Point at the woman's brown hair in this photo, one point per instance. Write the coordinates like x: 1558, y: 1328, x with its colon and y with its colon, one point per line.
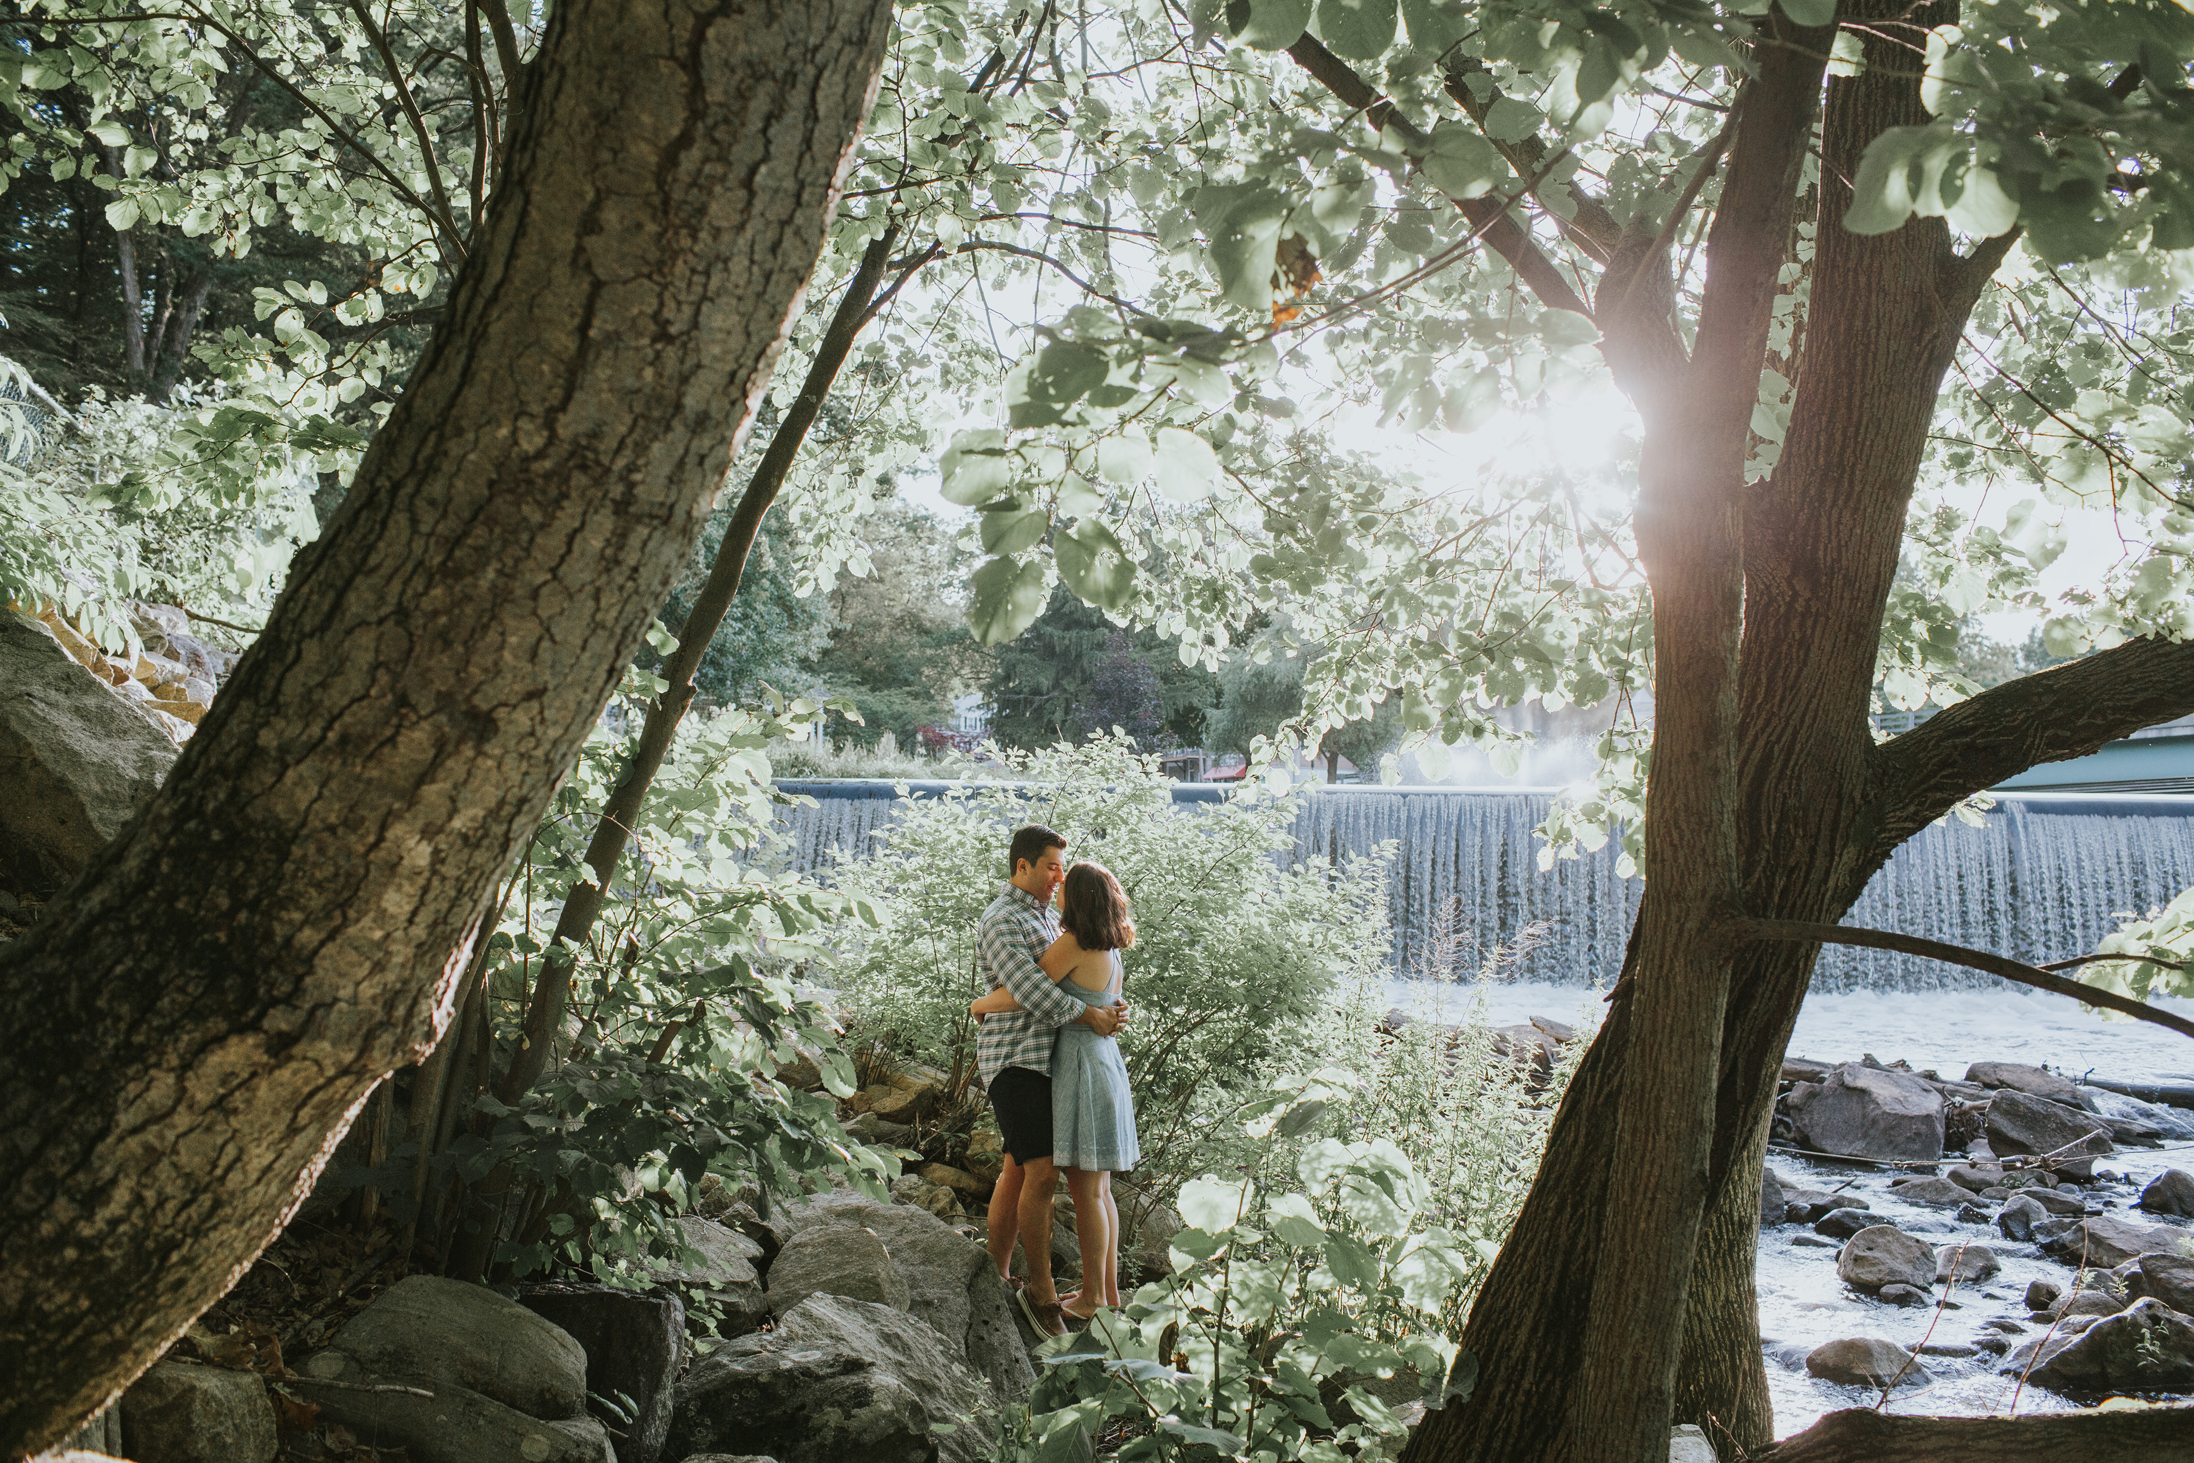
x: 1093, y: 909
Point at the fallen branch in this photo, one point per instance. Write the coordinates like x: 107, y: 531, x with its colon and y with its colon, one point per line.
x: 2144, y: 1435
x: 296, y: 1377
x: 1804, y: 932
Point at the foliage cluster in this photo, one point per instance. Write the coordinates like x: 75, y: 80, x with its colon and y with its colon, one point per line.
x: 688, y: 997
x: 1236, y: 952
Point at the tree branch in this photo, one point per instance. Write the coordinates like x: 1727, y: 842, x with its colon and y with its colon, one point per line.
x: 2064, y: 712
x: 1507, y: 238
x: 1804, y: 932
x: 445, y: 217
x: 1592, y: 227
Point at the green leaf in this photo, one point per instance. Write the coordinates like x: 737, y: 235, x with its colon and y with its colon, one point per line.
x: 1358, y: 29
x: 1187, y: 467
x: 1066, y: 371
x: 1210, y: 1204
x: 1009, y: 595
x: 1210, y: 1437
x: 1809, y: 12
x: 837, y: 1074
x: 1512, y: 120
x: 1298, y: 1119
x: 1435, y: 25
x: 122, y: 214
x: 1461, y: 1381
x: 1900, y: 175
x: 1013, y: 530
x: 113, y: 134
x: 1461, y: 163
x: 1125, y: 458
x: 1272, y: 25
x: 1093, y: 564
x: 1078, y: 497
x: 976, y: 468
x: 1351, y: 1263
x: 1293, y: 1230
x: 1242, y: 222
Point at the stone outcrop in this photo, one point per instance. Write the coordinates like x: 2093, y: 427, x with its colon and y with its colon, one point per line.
x: 836, y: 1380
x: 76, y: 761
x: 2147, y: 1347
x: 846, y: 1260
x: 635, y: 1345
x: 723, y: 1279
x: 1868, y: 1112
x: 182, y: 1413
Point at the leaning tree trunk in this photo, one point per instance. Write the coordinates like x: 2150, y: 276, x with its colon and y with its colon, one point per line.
x: 194, y: 1025
x: 1580, y: 1292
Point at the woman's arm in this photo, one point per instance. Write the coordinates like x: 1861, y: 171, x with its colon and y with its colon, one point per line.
x: 1060, y: 958
x: 998, y: 1000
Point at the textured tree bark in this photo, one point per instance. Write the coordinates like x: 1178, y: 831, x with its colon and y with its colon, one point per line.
x: 2152, y: 1435
x: 199, y: 1019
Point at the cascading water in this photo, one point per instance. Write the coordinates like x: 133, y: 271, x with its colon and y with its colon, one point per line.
x: 2041, y: 878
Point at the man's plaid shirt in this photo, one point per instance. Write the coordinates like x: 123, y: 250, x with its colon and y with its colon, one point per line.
x: 1014, y: 932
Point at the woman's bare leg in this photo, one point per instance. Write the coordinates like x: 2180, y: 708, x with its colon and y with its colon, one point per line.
x: 1112, y: 1241
x: 1089, y: 1229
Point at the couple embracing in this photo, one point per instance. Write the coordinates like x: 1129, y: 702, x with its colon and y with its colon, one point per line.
x: 1052, y: 1068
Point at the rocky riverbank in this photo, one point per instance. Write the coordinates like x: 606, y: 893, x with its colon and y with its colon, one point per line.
x: 1959, y: 1242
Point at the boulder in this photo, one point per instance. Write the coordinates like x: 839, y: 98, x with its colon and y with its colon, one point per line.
x: 1772, y: 1203
x: 1843, y: 1223
x: 2172, y: 1192
x: 2088, y: 1303
x: 441, y: 1422
x: 2167, y: 1277
x: 951, y: 1283
x: 2073, y: 1139
x: 836, y: 1260
x: 1968, y: 1263
x: 2052, y: 1201
x: 2042, y: 1294
x: 635, y: 1345
x: 2019, y: 1077
x: 1936, y: 1193
x: 2148, y: 1347
x: 1806, y: 1206
x: 2106, y: 1241
x: 1886, y: 1255
x: 960, y: 1181
x: 721, y: 1276
x: 1688, y: 1443
x: 837, y: 1380
x: 438, y: 1332
x: 76, y: 760
x: 182, y: 1413
x: 1866, y: 1361
x: 1865, y: 1112
x: 1903, y: 1295
x: 1805, y: 1069
x: 1978, y: 1177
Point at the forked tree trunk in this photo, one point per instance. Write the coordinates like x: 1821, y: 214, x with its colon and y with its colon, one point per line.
x: 196, y: 1022
x: 1642, y: 1224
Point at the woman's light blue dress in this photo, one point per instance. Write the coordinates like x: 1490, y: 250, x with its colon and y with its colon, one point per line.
x: 1092, y: 1113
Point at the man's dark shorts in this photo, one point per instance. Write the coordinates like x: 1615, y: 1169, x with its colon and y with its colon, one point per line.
x: 1021, y: 1101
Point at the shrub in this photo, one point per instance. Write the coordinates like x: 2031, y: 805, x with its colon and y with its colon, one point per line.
x: 1236, y: 953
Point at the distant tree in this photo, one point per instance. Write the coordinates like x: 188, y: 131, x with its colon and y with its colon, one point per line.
x: 771, y: 635
x: 1047, y: 684
x: 1260, y: 698
x: 898, y: 645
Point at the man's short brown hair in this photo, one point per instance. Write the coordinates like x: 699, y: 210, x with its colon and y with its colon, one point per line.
x: 1029, y: 844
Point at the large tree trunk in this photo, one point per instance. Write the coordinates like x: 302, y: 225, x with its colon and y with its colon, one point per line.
x: 1574, y: 1327
x: 196, y: 1022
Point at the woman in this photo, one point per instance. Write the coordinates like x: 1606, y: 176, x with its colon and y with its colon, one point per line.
x: 1092, y: 1113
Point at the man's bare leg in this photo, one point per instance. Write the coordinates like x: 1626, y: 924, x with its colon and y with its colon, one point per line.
x: 1039, y: 1182
x: 1005, y: 1218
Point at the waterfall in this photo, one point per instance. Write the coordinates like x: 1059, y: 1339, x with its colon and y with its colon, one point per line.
x: 2042, y: 878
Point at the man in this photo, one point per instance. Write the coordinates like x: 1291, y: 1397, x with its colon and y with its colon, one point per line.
x: 1013, y: 1052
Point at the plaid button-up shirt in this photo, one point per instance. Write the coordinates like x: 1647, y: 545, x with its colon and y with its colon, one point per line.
x: 1014, y: 932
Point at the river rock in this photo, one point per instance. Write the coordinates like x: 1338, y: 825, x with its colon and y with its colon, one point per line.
x: 848, y: 1261
x: 2088, y: 1303
x: 2172, y: 1192
x: 1903, y: 1295
x: 2020, y: 1124
x: 951, y: 1283
x: 449, y: 1424
x: 1867, y: 1112
x: 837, y: 1380
x: 2053, y: 1201
x: 1772, y: 1203
x: 635, y: 1344
x: 2019, y: 1077
x: 1807, y: 1206
x: 1935, y: 1193
x: 1886, y: 1255
x: 1843, y: 1223
x: 1977, y: 1177
x: 1866, y: 1361
x: 1970, y: 1264
x: 440, y: 1332
x: 2107, y: 1241
x: 719, y: 1275
x: 2147, y: 1347
x: 2167, y: 1277
x: 77, y: 761
x: 181, y: 1413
